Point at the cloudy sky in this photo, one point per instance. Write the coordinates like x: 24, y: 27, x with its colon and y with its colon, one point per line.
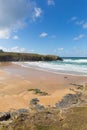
x: 44, y: 26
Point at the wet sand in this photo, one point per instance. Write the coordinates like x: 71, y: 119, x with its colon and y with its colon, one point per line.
x: 16, y: 80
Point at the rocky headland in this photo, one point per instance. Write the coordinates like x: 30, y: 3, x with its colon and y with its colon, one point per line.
x: 13, y: 56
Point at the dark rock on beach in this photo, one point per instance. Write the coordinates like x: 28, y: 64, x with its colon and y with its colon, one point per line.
x: 34, y: 105
x: 34, y: 101
x: 11, y: 115
x: 16, y: 113
x: 68, y: 101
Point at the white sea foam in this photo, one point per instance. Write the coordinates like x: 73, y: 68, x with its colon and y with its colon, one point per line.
x: 69, y: 66
x: 76, y: 61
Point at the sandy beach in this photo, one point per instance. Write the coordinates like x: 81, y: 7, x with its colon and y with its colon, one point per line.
x: 15, y: 81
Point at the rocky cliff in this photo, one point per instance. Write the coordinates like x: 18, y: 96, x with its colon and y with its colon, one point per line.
x: 10, y: 56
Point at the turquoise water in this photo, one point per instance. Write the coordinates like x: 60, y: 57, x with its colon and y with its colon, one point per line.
x: 69, y: 65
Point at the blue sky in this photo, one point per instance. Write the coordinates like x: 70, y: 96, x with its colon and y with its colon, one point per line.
x: 56, y: 27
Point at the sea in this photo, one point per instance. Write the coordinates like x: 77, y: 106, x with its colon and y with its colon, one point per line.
x: 69, y: 65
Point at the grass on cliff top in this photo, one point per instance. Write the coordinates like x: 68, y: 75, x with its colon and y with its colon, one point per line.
x: 52, y: 119
x: 13, y: 56
x: 26, y: 54
x: 73, y: 119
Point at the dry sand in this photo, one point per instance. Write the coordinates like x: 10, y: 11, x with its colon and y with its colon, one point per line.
x: 16, y: 80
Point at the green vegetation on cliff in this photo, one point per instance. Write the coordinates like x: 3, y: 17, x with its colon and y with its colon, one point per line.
x: 11, y: 56
x: 72, y: 119
x: 37, y: 117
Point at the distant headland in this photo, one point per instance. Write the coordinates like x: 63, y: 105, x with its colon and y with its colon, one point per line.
x: 15, y: 56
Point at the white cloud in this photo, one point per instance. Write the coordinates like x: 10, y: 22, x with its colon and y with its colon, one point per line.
x: 79, y: 37
x: 4, y: 34
x: 15, y: 37
x: 17, y: 49
x: 13, y: 49
x: 13, y: 13
x: 73, y: 18
x: 85, y: 25
x: 51, y: 2
x: 37, y: 12
x: 4, y: 49
x: 31, y: 51
x: 80, y: 22
x: 60, y: 49
x: 43, y: 34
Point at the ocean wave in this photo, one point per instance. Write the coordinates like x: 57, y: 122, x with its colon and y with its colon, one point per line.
x: 76, y: 61
x: 55, y: 67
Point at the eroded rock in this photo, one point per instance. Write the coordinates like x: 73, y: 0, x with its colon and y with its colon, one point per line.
x: 4, y: 116
x: 67, y: 101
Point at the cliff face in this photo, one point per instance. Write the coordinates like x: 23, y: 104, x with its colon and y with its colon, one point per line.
x: 10, y: 56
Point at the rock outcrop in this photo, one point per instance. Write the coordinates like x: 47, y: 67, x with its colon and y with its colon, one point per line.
x: 68, y: 101
x: 13, y: 114
x: 10, y: 56
x: 34, y: 105
x: 4, y: 116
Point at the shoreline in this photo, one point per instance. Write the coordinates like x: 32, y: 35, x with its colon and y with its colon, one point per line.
x: 52, y: 71
x: 15, y: 82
